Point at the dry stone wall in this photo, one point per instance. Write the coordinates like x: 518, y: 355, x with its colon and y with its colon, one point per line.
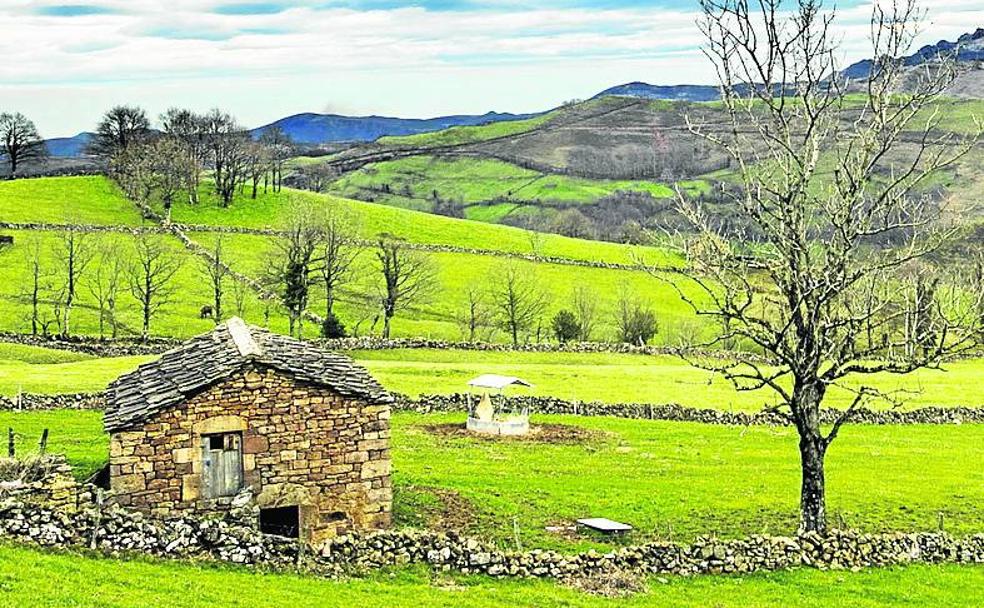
x: 458, y: 402
x: 116, y: 530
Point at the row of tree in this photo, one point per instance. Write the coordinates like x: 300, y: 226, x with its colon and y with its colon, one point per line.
x: 166, y: 162
x: 75, y: 264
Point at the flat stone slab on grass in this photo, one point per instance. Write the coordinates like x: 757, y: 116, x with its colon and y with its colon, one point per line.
x: 602, y: 524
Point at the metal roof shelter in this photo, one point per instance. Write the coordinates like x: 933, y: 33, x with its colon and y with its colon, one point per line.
x: 484, y: 417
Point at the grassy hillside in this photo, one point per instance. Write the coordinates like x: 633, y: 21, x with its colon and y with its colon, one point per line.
x: 82, y: 200
x: 179, y: 317
x: 488, y: 189
x: 466, y: 135
x: 31, y: 369
x: 77, y: 579
x: 675, y: 480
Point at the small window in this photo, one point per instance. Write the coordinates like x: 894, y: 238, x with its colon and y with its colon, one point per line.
x: 223, y: 464
x: 281, y: 521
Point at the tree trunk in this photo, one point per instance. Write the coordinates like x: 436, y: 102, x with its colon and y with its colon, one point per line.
x: 813, y: 500
x: 807, y: 398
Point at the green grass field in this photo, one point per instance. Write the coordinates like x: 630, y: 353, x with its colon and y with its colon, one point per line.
x: 488, y: 189
x: 468, y: 135
x: 618, y: 378
x: 611, y: 378
x: 56, y: 200
x: 72, y: 579
x: 670, y: 480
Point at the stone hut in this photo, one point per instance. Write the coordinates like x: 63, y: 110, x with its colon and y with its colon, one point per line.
x: 245, y: 417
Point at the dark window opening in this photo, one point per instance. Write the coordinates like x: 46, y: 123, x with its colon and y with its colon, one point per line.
x: 333, y: 517
x: 223, y: 464
x: 281, y: 521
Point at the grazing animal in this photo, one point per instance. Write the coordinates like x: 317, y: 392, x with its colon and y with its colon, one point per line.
x: 207, y: 312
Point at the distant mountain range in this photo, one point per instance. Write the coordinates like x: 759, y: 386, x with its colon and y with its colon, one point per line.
x: 316, y: 129
x: 320, y: 129
x: 968, y: 48
x: 68, y: 146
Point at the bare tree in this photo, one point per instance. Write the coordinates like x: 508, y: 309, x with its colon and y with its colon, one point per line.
x: 834, y: 245
x: 408, y: 277
x: 104, y: 283
x: 151, y: 276
x: 34, y: 256
x: 474, y: 315
x: 340, y: 248
x: 636, y: 324
x: 293, y: 267
x: 170, y: 167
x: 73, y: 254
x: 584, y: 301
x: 280, y: 149
x: 119, y: 128
x: 19, y: 140
x: 190, y: 129
x: 516, y: 298
x: 215, y: 271
x: 229, y: 147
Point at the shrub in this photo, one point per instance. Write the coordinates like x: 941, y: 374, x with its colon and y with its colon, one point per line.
x: 566, y: 326
x: 332, y: 328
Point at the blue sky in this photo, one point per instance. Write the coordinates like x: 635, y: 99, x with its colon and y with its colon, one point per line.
x: 66, y: 62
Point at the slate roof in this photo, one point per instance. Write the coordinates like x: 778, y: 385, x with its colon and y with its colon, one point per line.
x: 204, y: 360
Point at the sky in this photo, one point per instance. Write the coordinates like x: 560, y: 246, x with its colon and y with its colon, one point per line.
x: 65, y: 63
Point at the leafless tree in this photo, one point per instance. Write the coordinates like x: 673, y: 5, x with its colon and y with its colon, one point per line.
x: 73, y: 254
x: 170, y: 167
x: 280, y: 149
x: 636, y: 323
x: 119, y: 128
x: 825, y: 273
x: 229, y: 147
x: 518, y: 301
x: 190, y: 129
x: 340, y: 248
x: 103, y: 283
x: 35, y: 293
x: 151, y: 276
x: 408, y: 277
x: 132, y: 169
x: 317, y: 177
x: 19, y: 140
x: 474, y: 315
x: 584, y: 302
x: 293, y: 267
x: 215, y: 271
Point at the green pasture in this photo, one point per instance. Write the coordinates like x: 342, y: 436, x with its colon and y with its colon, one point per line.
x: 670, y: 480
x: 81, y: 579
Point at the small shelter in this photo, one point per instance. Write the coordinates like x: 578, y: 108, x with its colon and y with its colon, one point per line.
x: 301, y: 434
x: 489, y: 414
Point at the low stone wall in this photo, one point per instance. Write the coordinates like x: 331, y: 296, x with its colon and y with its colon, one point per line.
x: 71, y: 401
x: 114, y: 530
x: 458, y: 402
x: 91, y: 346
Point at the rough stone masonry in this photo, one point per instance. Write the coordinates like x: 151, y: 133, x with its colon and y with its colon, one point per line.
x: 242, y: 415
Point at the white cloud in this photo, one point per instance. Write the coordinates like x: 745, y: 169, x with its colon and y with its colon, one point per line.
x: 406, y: 61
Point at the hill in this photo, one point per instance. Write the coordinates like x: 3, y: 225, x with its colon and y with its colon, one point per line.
x: 332, y: 128
x: 68, y: 146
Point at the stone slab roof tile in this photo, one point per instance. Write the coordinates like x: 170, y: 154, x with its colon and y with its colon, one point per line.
x: 204, y: 360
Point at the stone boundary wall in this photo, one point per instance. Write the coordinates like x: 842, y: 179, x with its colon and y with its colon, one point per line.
x: 113, y: 530
x: 34, y: 402
x: 91, y: 346
x: 456, y: 403
x: 431, y: 248
x: 119, y: 348
x: 426, y: 404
